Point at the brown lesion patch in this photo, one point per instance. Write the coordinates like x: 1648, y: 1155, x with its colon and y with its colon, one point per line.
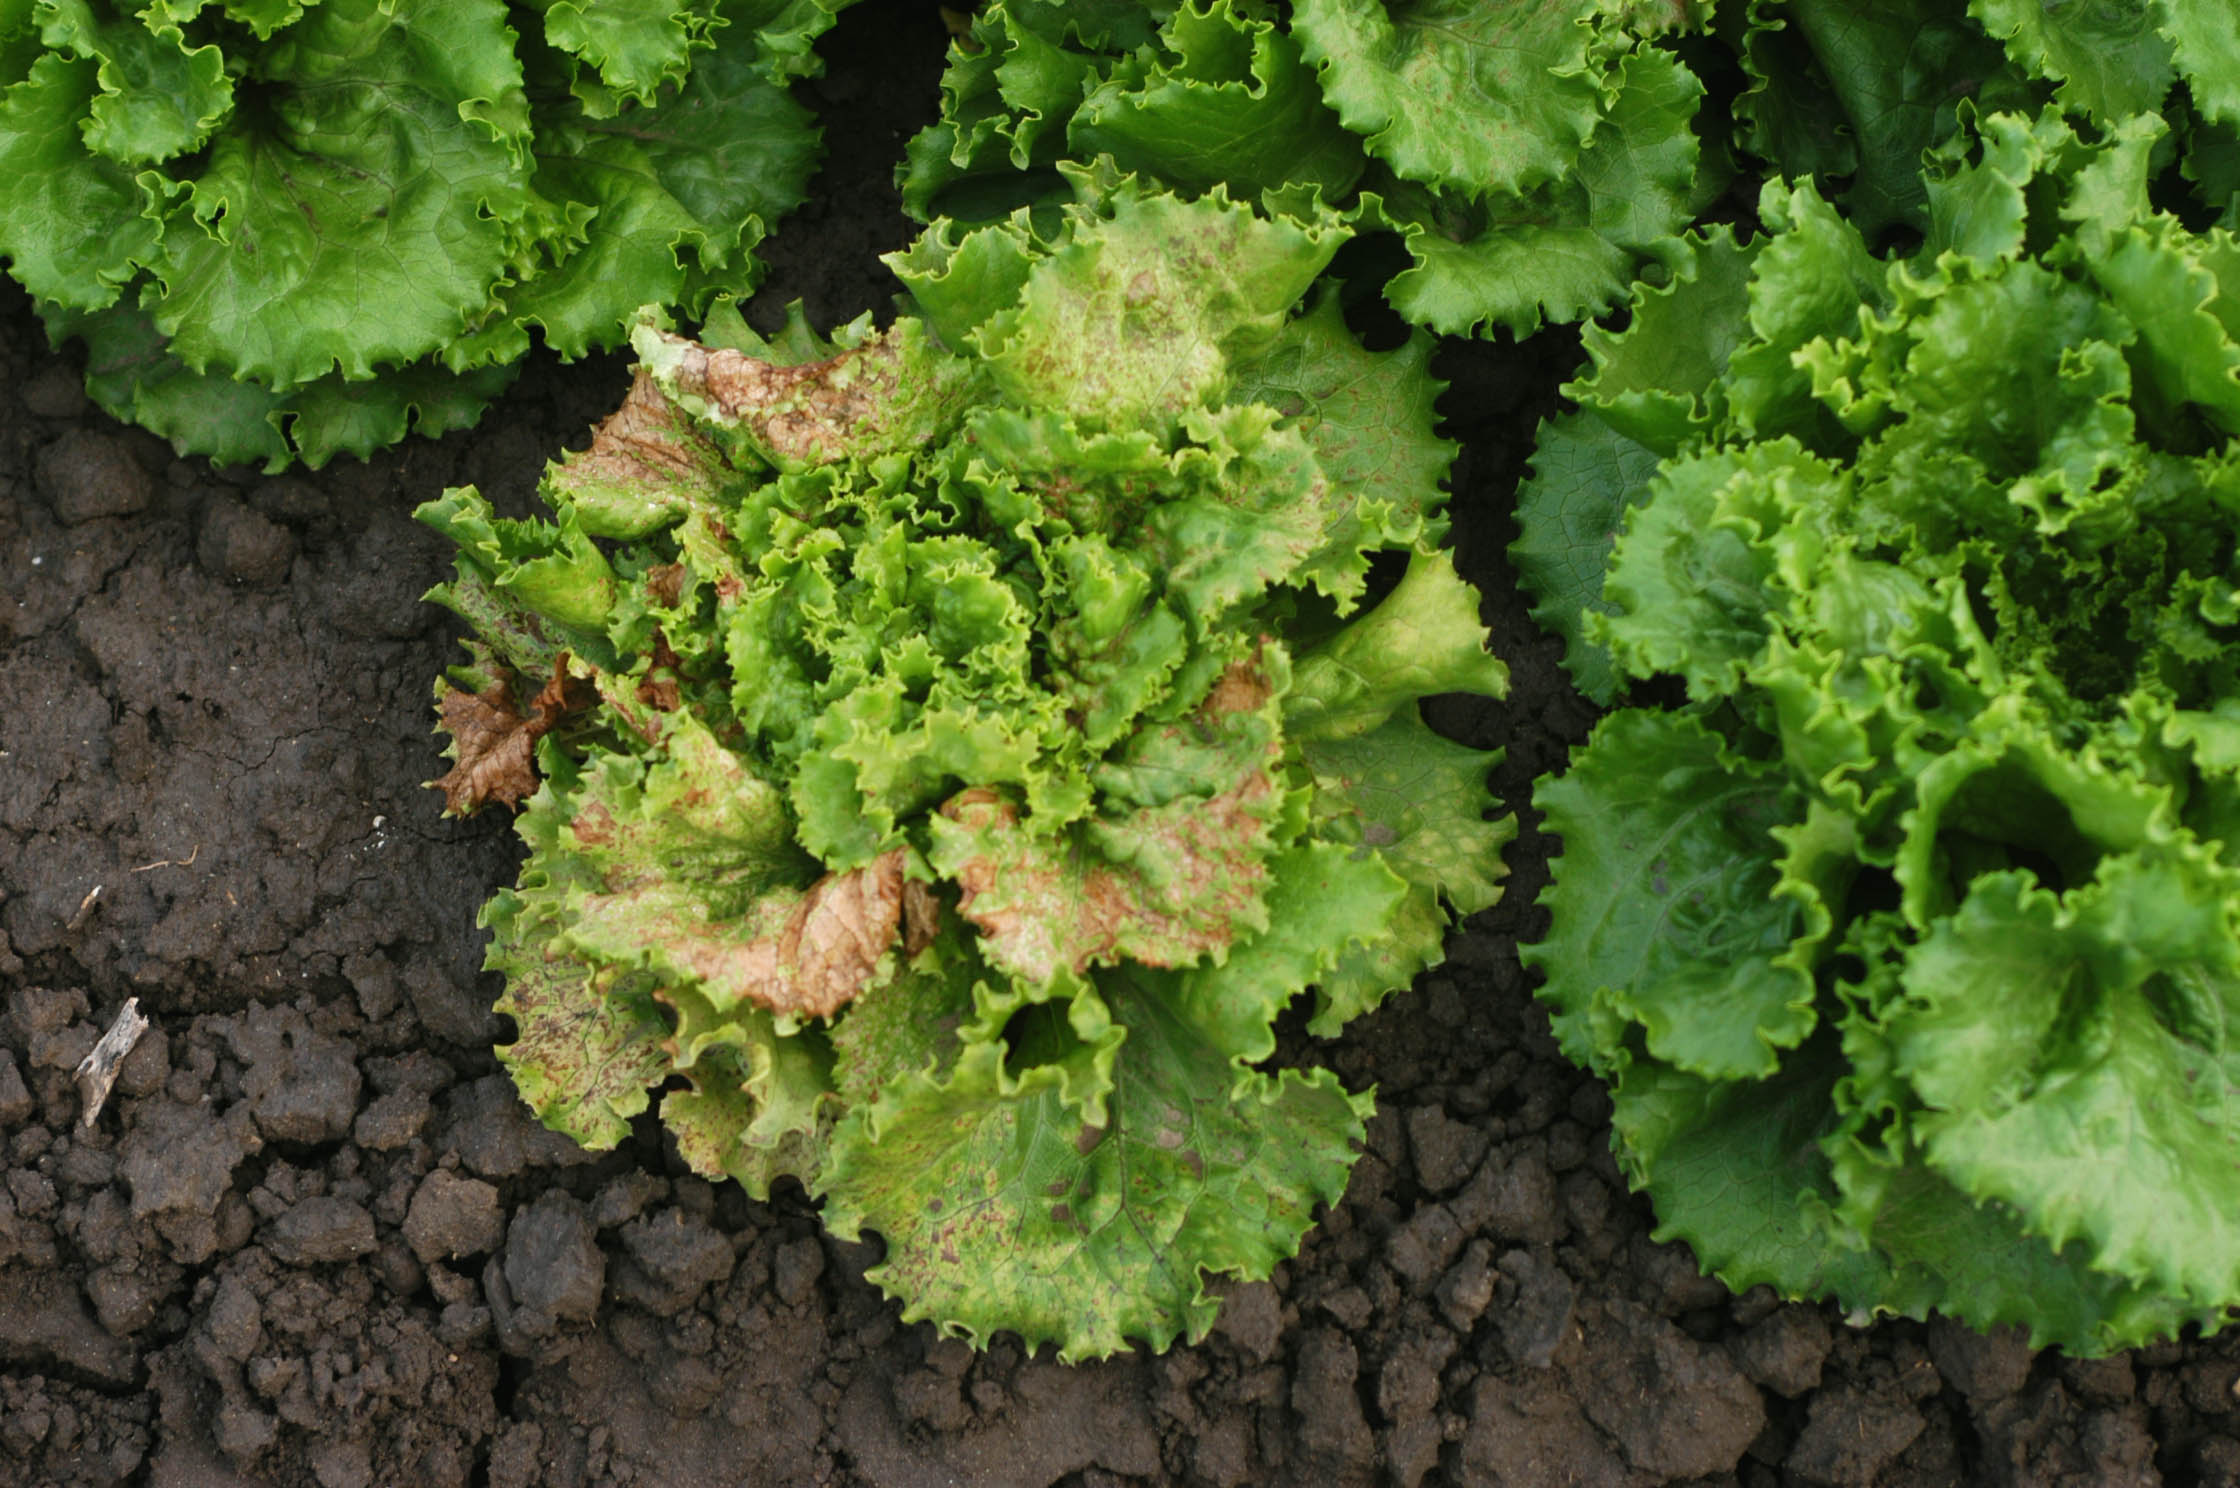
x: 814, y: 957
x: 646, y: 445
x: 1045, y: 904
x: 658, y: 689
x: 665, y: 584
x: 1243, y: 688
x: 494, y: 741
x: 806, y: 414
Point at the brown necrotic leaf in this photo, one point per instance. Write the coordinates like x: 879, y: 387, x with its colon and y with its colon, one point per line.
x: 494, y: 743
x: 896, y: 391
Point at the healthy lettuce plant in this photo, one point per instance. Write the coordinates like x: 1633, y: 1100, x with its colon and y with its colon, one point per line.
x: 1532, y: 157
x: 289, y: 230
x: 1850, y: 92
x: 1910, y: 945
x: 949, y: 749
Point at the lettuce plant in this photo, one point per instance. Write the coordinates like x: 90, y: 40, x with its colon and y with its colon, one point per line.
x: 288, y: 230
x: 949, y: 748
x: 1532, y: 157
x: 1910, y: 944
x: 1851, y: 92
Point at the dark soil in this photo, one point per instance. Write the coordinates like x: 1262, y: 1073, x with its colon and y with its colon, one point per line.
x: 316, y: 1240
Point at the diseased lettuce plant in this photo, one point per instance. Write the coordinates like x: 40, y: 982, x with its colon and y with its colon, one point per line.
x: 949, y: 749
x: 289, y: 230
x: 1532, y: 157
x: 1910, y: 945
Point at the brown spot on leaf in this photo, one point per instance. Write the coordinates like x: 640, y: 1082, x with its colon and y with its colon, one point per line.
x: 805, y: 414
x: 657, y: 689
x: 648, y: 444
x: 594, y: 825
x: 921, y: 917
x: 665, y: 584
x: 1042, y: 905
x: 494, y: 742
x: 1088, y: 1139
x: 1240, y: 689
x: 821, y: 955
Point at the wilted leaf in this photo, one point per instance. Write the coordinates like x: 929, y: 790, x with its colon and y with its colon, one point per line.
x: 494, y: 745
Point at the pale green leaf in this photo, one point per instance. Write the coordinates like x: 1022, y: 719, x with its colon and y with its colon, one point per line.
x: 1422, y: 638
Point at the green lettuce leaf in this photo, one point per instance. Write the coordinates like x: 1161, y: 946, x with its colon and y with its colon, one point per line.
x: 291, y: 232
x: 75, y: 226
x: 1908, y: 945
x: 1585, y: 477
x: 1142, y: 321
x: 380, y: 170
x: 1568, y: 248
x: 1412, y: 798
x: 1532, y: 159
x: 1520, y: 72
x: 1232, y: 103
x: 1154, y: 1193
x: 1848, y: 93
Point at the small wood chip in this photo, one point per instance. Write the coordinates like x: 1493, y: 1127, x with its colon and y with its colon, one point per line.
x: 84, y: 911
x: 98, y: 1070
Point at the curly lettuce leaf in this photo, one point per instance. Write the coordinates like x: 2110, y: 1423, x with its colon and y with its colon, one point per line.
x: 382, y: 170
x: 2208, y: 55
x: 1232, y: 104
x: 1367, y: 415
x: 1422, y: 638
x: 1685, y: 920
x: 1520, y: 73
x: 1002, y: 1208
x: 1411, y: 797
x: 627, y: 49
x: 1744, y: 1170
x: 1168, y: 873
x: 302, y: 231
x: 1574, y: 163
x: 2124, y: 986
x: 671, y: 200
x: 1585, y: 478
x: 1850, y: 92
x: 2107, y: 61
x: 131, y: 373
x: 1142, y: 321
x: 158, y: 96
x: 1908, y: 946
x: 75, y: 226
x: 1568, y: 248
